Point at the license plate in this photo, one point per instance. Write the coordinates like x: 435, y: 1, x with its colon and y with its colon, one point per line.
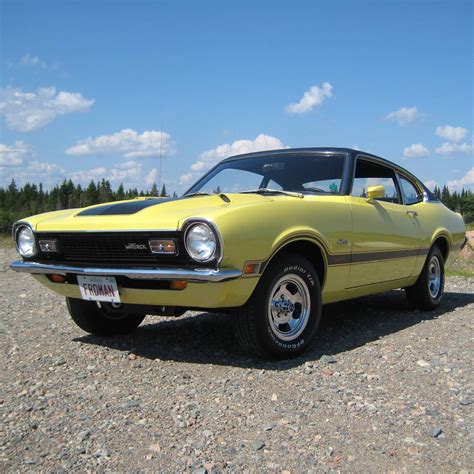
x: 98, y: 288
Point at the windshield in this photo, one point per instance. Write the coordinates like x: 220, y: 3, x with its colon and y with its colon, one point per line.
x: 307, y: 174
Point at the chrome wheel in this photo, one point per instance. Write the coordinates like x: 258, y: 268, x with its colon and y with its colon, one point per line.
x: 434, y: 277
x: 289, y: 307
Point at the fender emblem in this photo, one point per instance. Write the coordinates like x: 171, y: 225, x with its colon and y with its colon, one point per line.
x: 342, y: 242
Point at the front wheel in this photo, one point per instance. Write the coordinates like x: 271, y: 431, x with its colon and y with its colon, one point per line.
x: 283, y: 314
x: 427, y: 292
x: 95, y: 319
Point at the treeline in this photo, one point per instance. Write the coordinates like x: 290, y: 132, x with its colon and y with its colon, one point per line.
x: 30, y: 199
x: 462, y: 202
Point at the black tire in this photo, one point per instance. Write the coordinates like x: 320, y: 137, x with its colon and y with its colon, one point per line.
x: 255, y: 326
x: 426, y: 294
x: 100, y: 322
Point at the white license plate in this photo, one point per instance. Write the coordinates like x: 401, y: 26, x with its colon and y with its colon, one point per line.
x: 98, y: 288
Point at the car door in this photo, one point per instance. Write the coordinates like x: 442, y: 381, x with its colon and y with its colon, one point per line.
x: 386, y: 237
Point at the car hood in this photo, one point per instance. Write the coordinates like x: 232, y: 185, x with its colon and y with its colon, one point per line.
x: 144, y: 213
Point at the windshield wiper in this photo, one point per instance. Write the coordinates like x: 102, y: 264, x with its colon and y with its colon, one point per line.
x: 197, y: 194
x: 276, y: 191
x: 223, y: 196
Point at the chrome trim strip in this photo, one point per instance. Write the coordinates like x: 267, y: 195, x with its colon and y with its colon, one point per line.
x: 197, y: 274
x: 97, y: 231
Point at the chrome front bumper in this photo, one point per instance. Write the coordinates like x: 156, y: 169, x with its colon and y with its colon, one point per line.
x: 197, y: 274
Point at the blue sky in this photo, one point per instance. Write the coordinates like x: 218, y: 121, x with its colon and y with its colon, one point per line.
x: 88, y: 87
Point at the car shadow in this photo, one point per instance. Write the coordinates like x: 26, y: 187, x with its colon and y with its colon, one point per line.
x: 207, y: 338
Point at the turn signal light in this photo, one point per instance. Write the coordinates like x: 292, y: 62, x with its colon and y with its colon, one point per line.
x: 179, y: 284
x: 164, y: 247
x: 251, y: 268
x: 57, y: 278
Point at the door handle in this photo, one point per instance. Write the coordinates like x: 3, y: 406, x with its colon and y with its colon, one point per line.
x: 412, y: 213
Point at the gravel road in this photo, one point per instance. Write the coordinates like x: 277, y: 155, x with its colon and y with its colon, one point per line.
x: 384, y: 389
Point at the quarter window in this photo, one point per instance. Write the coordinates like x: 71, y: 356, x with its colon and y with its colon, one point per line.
x: 410, y: 194
x: 368, y: 174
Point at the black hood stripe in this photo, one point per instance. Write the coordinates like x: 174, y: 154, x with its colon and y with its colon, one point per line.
x: 122, y: 208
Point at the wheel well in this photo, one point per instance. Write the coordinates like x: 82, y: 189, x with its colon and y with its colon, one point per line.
x: 442, y: 244
x: 308, y: 250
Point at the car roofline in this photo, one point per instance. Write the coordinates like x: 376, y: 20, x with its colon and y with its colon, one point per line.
x: 288, y: 151
x: 318, y: 150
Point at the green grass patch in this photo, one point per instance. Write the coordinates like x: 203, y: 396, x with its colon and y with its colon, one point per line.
x: 461, y: 273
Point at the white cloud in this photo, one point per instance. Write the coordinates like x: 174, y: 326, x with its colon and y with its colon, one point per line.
x: 466, y: 181
x: 30, y: 60
x: 416, y: 150
x: 430, y: 184
x: 151, y: 177
x: 128, y: 143
x: 404, y: 116
x: 453, y: 134
x: 262, y: 142
x: 209, y: 158
x: 126, y: 165
x: 130, y: 174
x: 84, y: 176
x: 14, y: 155
x: 449, y: 148
x: 33, y: 172
x: 186, y: 178
x: 312, y: 98
x: 28, y: 111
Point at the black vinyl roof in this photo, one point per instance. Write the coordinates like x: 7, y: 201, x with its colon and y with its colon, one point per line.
x: 309, y: 150
x: 292, y: 151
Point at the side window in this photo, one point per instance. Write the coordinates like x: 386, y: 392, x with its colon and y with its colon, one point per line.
x: 369, y: 174
x: 410, y: 194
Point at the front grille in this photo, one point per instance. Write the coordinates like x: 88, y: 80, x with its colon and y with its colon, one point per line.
x: 109, y: 249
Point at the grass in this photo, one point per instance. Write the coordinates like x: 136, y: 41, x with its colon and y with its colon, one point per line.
x: 459, y: 272
x: 6, y: 241
x: 470, y: 226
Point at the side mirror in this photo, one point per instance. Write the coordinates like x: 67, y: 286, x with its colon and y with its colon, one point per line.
x: 374, y: 192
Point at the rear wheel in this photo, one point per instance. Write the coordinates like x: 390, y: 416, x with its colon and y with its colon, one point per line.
x: 426, y: 294
x: 283, y: 314
x: 95, y: 319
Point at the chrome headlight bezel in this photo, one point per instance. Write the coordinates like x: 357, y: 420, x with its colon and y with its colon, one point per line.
x: 34, y: 245
x: 216, y: 254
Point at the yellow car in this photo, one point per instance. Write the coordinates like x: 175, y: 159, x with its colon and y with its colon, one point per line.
x: 267, y: 236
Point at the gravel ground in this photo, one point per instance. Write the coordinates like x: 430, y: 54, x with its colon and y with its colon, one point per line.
x: 384, y: 389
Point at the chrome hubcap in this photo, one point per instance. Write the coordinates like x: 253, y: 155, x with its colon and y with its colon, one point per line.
x: 289, y: 307
x: 434, y: 277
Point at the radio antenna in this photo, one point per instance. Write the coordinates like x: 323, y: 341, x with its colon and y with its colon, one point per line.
x: 161, y: 152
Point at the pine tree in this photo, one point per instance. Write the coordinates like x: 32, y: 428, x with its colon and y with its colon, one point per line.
x: 91, y: 195
x: 120, y: 194
x: 163, y: 191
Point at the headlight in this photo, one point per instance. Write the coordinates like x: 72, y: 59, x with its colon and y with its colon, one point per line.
x: 201, y: 242
x: 25, y: 242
